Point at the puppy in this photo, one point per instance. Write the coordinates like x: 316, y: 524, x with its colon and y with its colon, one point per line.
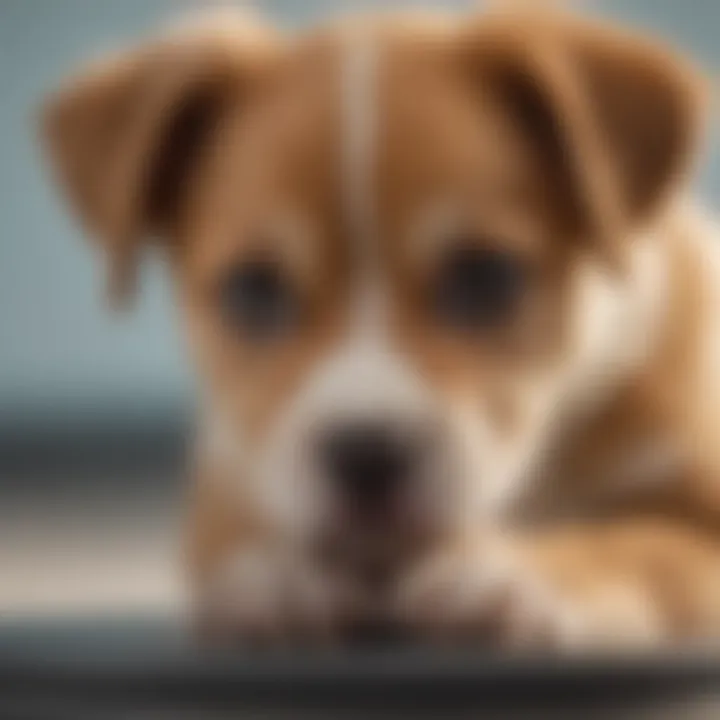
x: 453, y: 314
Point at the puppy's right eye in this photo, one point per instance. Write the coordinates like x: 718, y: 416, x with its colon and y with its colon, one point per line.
x: 478, y: 289
x: 258, y: 301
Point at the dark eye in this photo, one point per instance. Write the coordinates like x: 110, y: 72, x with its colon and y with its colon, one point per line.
x: 258, y: 301
x: 478, y: 288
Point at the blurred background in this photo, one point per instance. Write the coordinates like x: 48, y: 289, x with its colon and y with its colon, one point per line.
x: 94, y: 407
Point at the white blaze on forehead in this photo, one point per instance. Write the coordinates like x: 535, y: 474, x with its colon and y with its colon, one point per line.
x: 359, y: 117
x: 360, y: 111
x: 363, y: 374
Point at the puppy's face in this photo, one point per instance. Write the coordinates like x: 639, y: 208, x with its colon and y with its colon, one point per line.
x: 375, y: 272
x: 399, y: 254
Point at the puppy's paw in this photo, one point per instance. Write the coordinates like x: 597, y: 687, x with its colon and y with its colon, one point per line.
x: 488, y: 596
x: 262, y: 596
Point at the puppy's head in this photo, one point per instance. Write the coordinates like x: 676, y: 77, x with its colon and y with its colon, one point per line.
x: 403, y: 249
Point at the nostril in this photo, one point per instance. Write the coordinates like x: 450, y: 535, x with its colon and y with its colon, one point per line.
x: 367, y: 462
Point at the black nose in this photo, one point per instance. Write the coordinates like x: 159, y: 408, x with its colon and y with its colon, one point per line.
x: 368, y: 463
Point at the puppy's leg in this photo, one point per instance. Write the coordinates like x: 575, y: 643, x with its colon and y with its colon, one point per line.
x: 628, y: 583
x: 248, y: 584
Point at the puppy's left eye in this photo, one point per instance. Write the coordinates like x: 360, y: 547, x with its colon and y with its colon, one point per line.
x: 257, y: 300
x: 478, y: 288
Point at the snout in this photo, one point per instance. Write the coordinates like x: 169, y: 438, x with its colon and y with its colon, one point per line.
x: 381, y: 478
x: 370, y: 466
x: 366, y: 449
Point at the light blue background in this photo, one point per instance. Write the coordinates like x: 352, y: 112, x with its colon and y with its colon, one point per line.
x: 61, y: 353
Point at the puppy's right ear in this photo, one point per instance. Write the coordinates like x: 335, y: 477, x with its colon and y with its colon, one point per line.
x: 123, y: 135
x: 618, y: 119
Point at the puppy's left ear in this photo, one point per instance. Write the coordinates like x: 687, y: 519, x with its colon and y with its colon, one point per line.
x: 125, y: 133
x: 617, y: 118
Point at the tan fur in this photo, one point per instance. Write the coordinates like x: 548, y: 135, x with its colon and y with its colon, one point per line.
x: 561, y: 140
x: 129, y: 110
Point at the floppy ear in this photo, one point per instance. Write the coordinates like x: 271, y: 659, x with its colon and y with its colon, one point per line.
x: 616, y: 118
x: 123, y: 134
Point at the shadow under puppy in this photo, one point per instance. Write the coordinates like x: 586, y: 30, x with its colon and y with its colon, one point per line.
x: 453, y: 315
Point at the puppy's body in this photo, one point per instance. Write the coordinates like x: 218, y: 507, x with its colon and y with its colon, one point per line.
x: 472, y: 247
